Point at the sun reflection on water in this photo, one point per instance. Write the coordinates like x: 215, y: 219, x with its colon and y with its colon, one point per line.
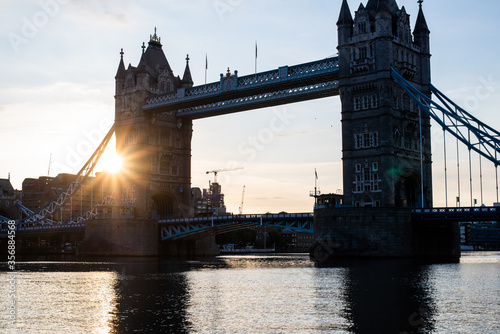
x: 43, y: 307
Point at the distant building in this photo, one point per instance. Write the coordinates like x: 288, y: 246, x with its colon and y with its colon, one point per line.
x: 36, y: 193
x: 200, y: 204
x: 210, y: 202
x: 329, y: 201
x: 8, y: 198
x: 293, y: 241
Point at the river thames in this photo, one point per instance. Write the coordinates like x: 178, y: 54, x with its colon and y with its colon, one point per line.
x: 274, y: 293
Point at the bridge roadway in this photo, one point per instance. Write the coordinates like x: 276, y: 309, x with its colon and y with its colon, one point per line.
x: 284, y: 85
x: 172, y: 229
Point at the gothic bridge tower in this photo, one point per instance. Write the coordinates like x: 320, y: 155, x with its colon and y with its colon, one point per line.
x: 381, y: 126
x: 156, y: 147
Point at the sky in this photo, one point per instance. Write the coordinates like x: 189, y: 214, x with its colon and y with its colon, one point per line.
x: 59, y: 59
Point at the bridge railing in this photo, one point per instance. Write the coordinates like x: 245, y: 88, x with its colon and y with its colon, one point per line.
x: 238, y: 217
x: 46, y: 228
x: 459, y: 210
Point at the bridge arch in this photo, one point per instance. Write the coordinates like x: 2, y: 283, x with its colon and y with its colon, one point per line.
x: 163, y: 205
x: 408, y: 189
x: 368, y: 202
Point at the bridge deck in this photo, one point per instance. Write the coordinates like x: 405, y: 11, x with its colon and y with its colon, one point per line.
x: 475, y: 214
x: 180, y: 228
x: 233, y: 94
x: 303, y: 222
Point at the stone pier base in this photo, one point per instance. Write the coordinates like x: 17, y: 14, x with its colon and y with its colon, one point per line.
x: 190, y: 248
x: 364, y: 233
x: 120, y: 237
x: 138, y: 237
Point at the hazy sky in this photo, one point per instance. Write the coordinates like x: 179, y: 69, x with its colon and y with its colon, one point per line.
x: 59, y: 59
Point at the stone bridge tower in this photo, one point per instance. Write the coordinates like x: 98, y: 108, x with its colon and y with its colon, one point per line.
x: 381, y: 127
x: 156, y: 147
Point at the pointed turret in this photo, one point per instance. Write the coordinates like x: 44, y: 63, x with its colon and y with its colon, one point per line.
x: 120, y: 73
x: 421, y: 24
x: 421, y: 38
x: 344, y: 24
x: 187, y: 80
x: 421, y: 32
x: 345, y: 16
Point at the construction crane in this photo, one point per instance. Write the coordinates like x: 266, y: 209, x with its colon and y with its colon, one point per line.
x: 242, y: 198
x: 50, y: 163
x: 221, y: 170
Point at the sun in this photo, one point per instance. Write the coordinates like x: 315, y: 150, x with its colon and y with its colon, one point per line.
x: 111, y: 162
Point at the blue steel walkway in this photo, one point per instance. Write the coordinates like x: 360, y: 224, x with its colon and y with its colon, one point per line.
x: 194, y: 227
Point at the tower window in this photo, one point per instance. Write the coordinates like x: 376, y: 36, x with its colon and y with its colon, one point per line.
x: 362, y: 28
x: 374, y: 101
x: 366, y: 140
x: 362, y: 52
x: 366, y: 179
x: 366, y: 102
x: 357, y: 103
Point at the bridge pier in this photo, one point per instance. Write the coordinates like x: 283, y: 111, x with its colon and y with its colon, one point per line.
x: 138, y: 237
x: 190, y: 248
x: 120, y: 237
x: 368, y: 233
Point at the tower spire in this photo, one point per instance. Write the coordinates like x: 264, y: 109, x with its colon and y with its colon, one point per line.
x: 120, y: 73
x: 154, y: 38
x: 345, y: 16
x: 421, y: 24
x: 187, y: 80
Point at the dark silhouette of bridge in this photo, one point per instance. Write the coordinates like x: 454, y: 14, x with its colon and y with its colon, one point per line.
x: 382, y: 75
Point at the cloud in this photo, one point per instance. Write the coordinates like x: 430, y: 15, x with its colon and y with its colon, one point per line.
x: 102, y: 12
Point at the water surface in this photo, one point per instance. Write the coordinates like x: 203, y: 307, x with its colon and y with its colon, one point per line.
x: 253, y: 294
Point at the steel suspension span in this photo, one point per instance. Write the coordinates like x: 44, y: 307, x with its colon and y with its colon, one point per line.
x: 233, y: 94
x: 43, y: 216
x: 467, y: 129
x: 475, y: 134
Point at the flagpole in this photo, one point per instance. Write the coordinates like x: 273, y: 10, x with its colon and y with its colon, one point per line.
x: 256, y: 59
x: 206, y: 67
x: 315, y: 188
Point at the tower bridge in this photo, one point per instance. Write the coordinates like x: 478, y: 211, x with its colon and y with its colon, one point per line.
x: 382, y: 75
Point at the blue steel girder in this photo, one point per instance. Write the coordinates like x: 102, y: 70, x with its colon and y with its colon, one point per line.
x: 284, y: 85
x: 475, y: 134
x: 43, y: 215
x: 194, y: 227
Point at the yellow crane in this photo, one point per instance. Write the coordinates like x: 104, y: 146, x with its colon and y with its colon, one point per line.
x: 215, y: 172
